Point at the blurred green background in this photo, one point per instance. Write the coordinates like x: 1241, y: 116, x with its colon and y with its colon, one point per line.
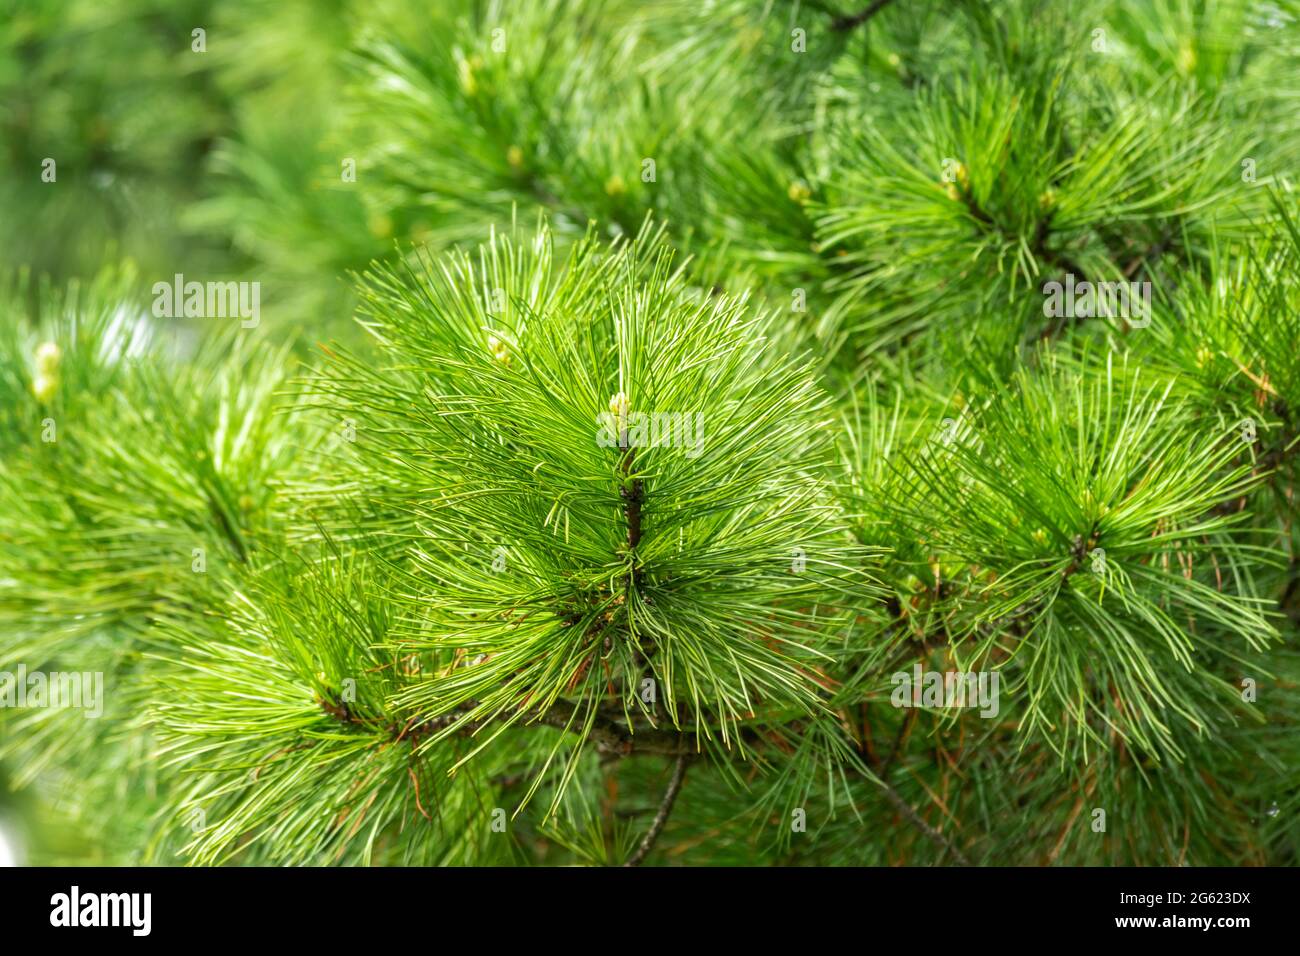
x: 141, y: 118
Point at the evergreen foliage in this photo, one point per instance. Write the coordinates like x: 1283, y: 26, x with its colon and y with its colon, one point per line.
x: 645, y: 395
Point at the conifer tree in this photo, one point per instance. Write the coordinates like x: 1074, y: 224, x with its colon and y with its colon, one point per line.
x: 670, y: 433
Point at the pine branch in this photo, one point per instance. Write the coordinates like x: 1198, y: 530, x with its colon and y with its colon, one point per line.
x: 608, y: 735
x: 662, y: 814
x: 613, y: 738
x: 633, y: 494
x: 472, y: 564
x: 912, y: 817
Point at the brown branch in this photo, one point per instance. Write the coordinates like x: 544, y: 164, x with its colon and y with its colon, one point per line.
x: 935, y: 837
x: 1080, y: 548
x: 611, y: 737
x: 882, y: 777
x: 661, y: 815
x: 633, y: 495
x: 902, y: 805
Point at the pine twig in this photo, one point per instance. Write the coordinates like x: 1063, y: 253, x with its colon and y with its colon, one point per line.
x: 661, y: 815
x: 611, y: 737
x: 914, y: 818
x: 634, y: 495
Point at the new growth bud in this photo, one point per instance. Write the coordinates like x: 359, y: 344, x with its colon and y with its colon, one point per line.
x: 618, y: 407
x: 499, y: 349
x: 46, y: 380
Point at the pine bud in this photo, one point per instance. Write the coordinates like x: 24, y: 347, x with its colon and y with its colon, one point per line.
x: 618, y: 407
x: 44, y: 386
x: 615, y: 186
x: 47, y: 358
x: 961, y: 178
x: 465, y: 70
x: 499, y: 349
x: 960, y: 181
x: 798, y: 192
x: 46, y: 380
x: 515, y: 157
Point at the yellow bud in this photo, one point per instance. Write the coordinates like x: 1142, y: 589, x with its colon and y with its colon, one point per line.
x: 44, y: 387
x: 515, y: 156
x: 615, y: 185
x: 47, y: 357
x: 381, y: 227
x: 1047, y: 199
x: 499, y: 349
x: 798, y: 192
x: 1203, y: 357
x: 465, y: 73
x: 618, y: 407
x: 1040, y: 536
x: 894, y: 60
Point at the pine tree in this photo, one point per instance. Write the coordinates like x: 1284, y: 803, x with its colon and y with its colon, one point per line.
x: 679, y: 433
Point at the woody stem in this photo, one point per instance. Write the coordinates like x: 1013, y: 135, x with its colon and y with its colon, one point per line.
x: 633, y: 494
